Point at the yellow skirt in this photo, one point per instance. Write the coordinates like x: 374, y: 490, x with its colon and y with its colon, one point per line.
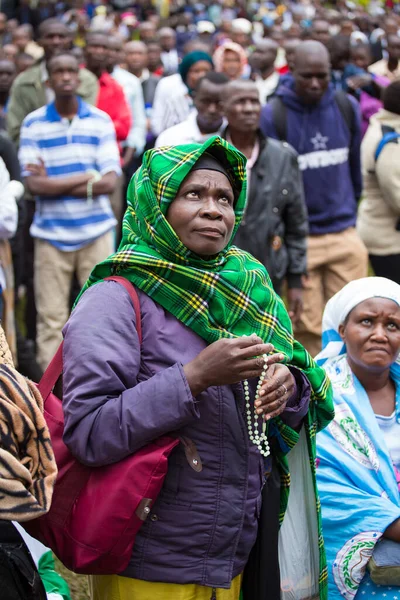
x: 114, y: 587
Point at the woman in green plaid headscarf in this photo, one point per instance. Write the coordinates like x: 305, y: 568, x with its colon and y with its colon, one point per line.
x: 177, y: 248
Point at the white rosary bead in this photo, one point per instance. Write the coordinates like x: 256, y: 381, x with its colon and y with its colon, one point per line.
x: 259, y: 440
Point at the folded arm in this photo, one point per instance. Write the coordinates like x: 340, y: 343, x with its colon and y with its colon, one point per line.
x: 39, y: 183
x: 42, y: 185
x: 106, y: 185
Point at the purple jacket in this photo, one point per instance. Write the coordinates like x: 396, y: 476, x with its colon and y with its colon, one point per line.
x: 119, y: 395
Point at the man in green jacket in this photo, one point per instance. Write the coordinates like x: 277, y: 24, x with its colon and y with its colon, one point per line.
x: 30, y: 90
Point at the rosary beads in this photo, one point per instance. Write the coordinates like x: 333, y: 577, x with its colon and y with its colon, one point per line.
x: 258, y: 439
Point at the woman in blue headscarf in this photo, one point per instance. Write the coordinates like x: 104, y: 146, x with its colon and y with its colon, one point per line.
x: 358, y: 454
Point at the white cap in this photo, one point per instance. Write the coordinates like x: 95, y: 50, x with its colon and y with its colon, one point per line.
x: 358, y: 37
x: 205, y: 27
x: 130, y: 20
x: 242, y: 25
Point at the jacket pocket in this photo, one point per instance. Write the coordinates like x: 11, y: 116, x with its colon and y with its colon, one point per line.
x: 277, y: 252
x: 175, y: 489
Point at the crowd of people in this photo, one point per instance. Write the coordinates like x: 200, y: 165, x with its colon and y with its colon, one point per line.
x: 239, y: 164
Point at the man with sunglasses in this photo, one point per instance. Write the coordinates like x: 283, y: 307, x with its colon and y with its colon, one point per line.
x: 323, y: 126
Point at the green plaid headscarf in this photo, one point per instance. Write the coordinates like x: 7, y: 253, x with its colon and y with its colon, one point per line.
x: 228, y: 295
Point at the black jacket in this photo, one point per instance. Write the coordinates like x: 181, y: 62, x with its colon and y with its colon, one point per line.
x: 275, y: 225
x: 149, y: 89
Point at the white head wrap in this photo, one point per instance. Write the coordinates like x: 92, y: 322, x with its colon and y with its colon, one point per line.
x: 358, y: 37
x: 342, y: 303
x: 205, y: 27
x: 242, y: 25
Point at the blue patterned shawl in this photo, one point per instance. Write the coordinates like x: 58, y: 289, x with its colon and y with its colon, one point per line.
x: 356, y: 479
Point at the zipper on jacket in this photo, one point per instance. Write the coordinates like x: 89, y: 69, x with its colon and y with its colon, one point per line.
x: 213, y: 594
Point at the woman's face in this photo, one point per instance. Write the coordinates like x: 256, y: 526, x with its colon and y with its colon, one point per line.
x: 196, y: 72
x: 231, y: 65
x: 372, y: 334
x: 202, y: 214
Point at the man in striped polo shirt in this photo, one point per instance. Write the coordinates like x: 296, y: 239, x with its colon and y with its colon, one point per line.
x: 70, y: 161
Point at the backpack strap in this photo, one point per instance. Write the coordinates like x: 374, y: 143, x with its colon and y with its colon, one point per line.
x: 55, y: 368
x: 279, y: 114
x: 279, y: 117
x: 346, y: 108
x: 388, y: 135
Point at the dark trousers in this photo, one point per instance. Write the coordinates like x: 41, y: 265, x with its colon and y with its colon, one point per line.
x: 386, y: 266
x: 261, y: 578
x: 18, y: 574
x: 30, y: 310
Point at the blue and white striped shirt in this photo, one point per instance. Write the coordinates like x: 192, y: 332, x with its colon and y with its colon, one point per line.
x: 70, y: 148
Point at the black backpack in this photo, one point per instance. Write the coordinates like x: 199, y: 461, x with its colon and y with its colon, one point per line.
x: 279, y: 114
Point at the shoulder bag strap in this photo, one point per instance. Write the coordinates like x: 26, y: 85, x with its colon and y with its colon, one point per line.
x: 55, y: 368
x: 134, y: 297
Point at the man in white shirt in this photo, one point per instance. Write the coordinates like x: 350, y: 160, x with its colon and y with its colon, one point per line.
x: 132, y: 87
x: 208, y: 119
x: 167, y: 87
x: 169, y: 54
x: 137, y: 59
x: 262, y: 62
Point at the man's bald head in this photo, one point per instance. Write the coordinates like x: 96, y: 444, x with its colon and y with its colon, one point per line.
x: 320, y: 31
x: 309, y: 51
x: 242, y: 107
x: 167, y: 38
x: 96, y: 52
x: 291, y: 44
x: 135, y: 46
x: 115, y: 53
x: 267, y: 44
x: 238, y: 84
x: 391, y: 26
x: 166, y: 32
x: 393, y: 47
x: 264, y: 55
x: 290, y: 47
x: 147, y: 31
x: 8, y: 72
x: 53, y: 36
x: 237, y: 87
x: 311, y: 71
x: 115, y: 42
x: 146, y: 26
x: 9, y: 51
x: 136, y: 57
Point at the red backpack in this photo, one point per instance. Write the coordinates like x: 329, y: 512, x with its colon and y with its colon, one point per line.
x: 96, y: 512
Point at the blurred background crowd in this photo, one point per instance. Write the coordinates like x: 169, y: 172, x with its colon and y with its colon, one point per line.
x: 309, y: 92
